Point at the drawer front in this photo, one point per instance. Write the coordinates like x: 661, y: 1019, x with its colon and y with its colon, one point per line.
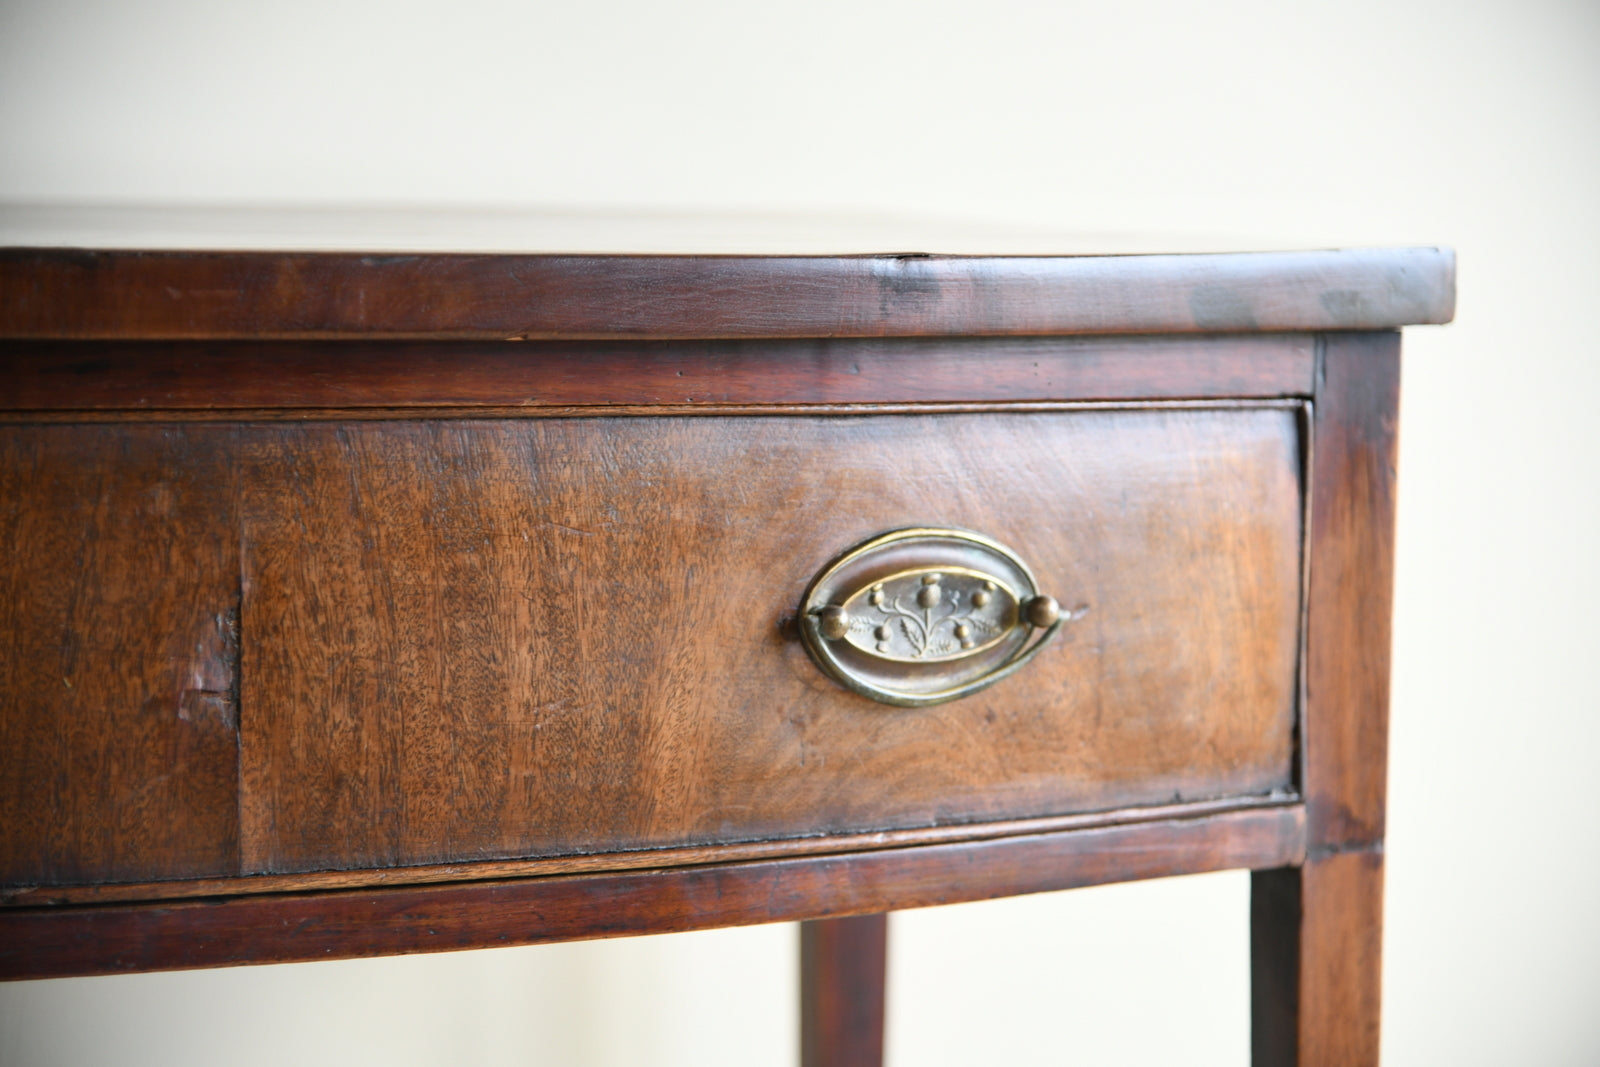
x: 283, y: 648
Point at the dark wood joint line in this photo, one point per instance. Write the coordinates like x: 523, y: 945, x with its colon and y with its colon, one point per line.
x: 400, y: 379
x: 1320, y: 852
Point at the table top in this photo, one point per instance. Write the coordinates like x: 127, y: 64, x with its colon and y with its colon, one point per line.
x: 214, y: 274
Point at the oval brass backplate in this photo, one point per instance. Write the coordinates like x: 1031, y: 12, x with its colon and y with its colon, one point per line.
x: 924, y: 615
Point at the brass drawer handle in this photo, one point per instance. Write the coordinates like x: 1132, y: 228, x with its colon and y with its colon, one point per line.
x: 924, y: 615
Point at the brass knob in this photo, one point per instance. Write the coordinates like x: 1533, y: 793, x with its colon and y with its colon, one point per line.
x: 1042, y: 611
x: 833, y: 621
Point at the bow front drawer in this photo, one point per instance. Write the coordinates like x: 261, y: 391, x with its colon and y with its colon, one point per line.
x: 269, y: 647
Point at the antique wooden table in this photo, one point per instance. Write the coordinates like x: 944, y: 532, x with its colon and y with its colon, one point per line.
x: 363, y: 604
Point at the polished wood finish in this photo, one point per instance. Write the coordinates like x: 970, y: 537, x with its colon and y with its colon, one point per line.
x: 1315, y: 953
x: 636, y: 860
x: 56, y: 293
x: 843, y: 972
x: 282, y: 927
x: 119, y: 610
x: 337, y: 625
x: 1317, y: 929
x: 217, y: 379
x: 1351, y: 589
x: 405, y: 640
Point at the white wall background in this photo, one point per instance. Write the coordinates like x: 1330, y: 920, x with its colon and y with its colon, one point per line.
x: 1472, y: 124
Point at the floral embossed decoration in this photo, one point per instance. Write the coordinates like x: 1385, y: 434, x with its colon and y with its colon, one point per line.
x: 930, y: 615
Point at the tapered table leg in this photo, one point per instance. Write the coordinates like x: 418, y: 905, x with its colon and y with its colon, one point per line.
x: 842, y: 970
x: 1316, y: 937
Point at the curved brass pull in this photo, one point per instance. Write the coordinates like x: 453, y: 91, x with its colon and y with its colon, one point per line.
x: 924, y: 615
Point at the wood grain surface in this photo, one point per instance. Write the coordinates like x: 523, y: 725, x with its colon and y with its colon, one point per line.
x: 1316, y: 949
x: 119, y: 613
x: 1317, y: 930
x: 53, y: 942
x: 474, y: 641
x: 372, y: 620
x: 56, y: 293
x: 1351, y: 589
x: 843, y: 972
x: 635, y: 860
x: 485, y: 640
x: 214, y: 378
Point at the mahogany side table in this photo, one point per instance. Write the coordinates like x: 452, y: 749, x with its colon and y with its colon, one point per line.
x: 366, y: 604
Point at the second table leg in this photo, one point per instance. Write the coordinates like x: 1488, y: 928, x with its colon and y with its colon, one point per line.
x: 842, y: 971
